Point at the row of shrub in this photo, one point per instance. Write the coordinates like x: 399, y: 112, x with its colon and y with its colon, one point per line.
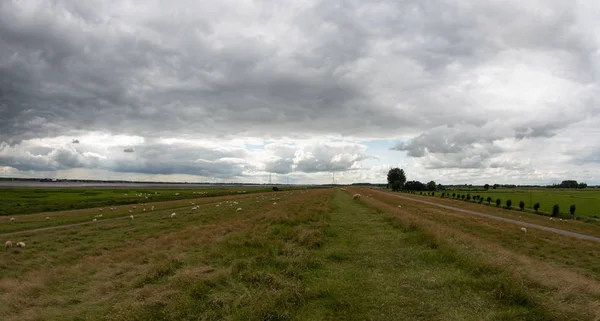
x: 508, y: 204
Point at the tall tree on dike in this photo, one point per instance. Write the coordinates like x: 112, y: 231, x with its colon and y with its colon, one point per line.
x: 396, y: 178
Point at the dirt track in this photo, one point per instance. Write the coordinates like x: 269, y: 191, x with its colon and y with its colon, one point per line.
x: 529, y: 225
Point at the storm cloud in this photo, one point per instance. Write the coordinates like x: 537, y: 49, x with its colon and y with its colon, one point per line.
x: 305, y: 86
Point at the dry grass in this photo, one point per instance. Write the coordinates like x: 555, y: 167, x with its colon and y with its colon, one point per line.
x: 158, y: 267
x: 565, y: 290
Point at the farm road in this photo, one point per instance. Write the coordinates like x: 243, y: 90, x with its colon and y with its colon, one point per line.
x: 531, y: 225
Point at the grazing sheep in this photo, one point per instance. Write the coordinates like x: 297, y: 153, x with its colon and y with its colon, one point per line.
x: 131, y: 216
x: 152, y: 208
x: 238, y: 209
x: 399, y: 206
x: 94, y: 220
x: 130, y: 211
x: 524, y: 229
x: 100, y: 209
x: 355, y: 196
x: 173, y: 215
x: 47, y: 218
x: 20, y: 244
x: 7, y: 245
x: 274, y: 203
x: 144, y: 209
x: 12, y: 219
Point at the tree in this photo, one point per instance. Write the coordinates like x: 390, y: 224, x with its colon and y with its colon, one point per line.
x: 453, y: 194
x: 462, y: 196
x: 396, y: 175
x: 480, y: 200
x: 468, y: 197
x: 536, y: 207
x: 431, y: 186
x: 568, y: 184
x: 489, y: 200
x: 486, y: 187
x: 275, y: 188
x: 495, y: 186
x: 498, y: 202
x: 521, y: 205
x: 572, y: 210
x: 443, y: 194
x: 582, y: 185
x: 415, y: 186
x: 508, y: 204
x: 555, y: 210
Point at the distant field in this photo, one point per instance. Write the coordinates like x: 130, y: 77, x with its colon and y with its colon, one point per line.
x: 34, y: 200
x: 586, y: 201
x: 298, y: 255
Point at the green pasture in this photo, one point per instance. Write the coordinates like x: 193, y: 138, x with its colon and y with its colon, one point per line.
x: 587, y: 202
x: 35, y: 200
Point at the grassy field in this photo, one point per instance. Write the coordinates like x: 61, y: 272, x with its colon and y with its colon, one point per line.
x: 587, y: 201
x: 34, y: 200
x: 297, y: 255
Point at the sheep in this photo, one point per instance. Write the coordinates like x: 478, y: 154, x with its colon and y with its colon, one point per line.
x: 238, y: 209
x: 8, y: 245
x: 152, y: 209
x: 274, y: 203
x: 130, y: 211
x: 100, y: 209
x: 47, y: 218
x: 173, y: 215
x: 399, y: 206
x: 12, y: 219
x: 20, y: 244
x: 94, y: 220
x: 131, y: 216
x: 355, y: 196
x: 524, y: 229
x: 144, y: 209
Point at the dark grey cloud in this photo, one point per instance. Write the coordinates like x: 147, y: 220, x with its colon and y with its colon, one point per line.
x: 459, y: 78
x: 128, y: 150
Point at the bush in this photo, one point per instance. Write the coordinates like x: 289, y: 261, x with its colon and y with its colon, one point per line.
x: 498, y: 202
x: 443, y: 194
x: 432, y: 193
x: 509, y: 204
x: 536, y: 207
x: 489, y: 200
x: 572, y: 210
x: 521, y: 205
x: 555, y: 210
x: 463, y: 196
x: 480, y: 200
x: 275, y: 188
x: 453, y: 194
x: 468, y: 197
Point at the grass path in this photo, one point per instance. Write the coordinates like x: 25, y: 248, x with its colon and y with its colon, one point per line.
x: 375, y: 271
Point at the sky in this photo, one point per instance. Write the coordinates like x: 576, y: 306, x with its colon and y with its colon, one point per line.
x: 459, y: 92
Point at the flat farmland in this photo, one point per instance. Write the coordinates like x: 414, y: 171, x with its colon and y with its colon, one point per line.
x: 587, y: 201
x: 34, y: 200
x: 295, y: 255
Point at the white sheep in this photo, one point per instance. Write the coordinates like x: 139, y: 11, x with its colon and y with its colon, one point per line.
x: 20, y: 244
x: 524, y: 229
x: 131, y: 216
x: 173, y: 215
x: 47, y: 218
x: 152, y: 208
x: 355, y: 196
x: 274, y: 203
x: 399, y: 206
x: 8, y: 245
x: 238, y: 209
x: 94, y: 220
x: 12, y: 219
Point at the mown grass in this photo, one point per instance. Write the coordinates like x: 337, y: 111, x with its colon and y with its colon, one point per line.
x: 314, y: 255
x: 563, y: 251
x: 34, y: 200
x: 587, y: 201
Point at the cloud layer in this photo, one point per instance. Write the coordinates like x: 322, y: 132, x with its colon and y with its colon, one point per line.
x: 508, y: 90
